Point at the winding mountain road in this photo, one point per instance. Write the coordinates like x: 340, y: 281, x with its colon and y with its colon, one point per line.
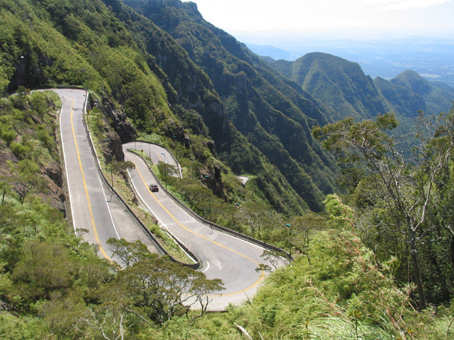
x: 229, y: 258
x: 223, y: 256
x: 97, y: 214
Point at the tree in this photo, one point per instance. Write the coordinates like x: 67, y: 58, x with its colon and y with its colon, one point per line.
x: 407, y: 189
x: 4, y: 189
x: 300, y: 229
x: 26, y: 179
x: 128, y: 253
x: 154, y: 287
x: 166, y: 170
x: 119, y: 168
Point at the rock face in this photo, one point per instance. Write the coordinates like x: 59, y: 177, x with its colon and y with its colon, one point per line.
x: 54, y: 174
x: 122, y: 126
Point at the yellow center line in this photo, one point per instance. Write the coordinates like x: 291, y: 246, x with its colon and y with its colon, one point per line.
x: 90, y: 209
x: 262, y: 274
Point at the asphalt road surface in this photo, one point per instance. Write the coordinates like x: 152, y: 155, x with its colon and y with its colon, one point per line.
x: 97, y: 214
x: 223, y: 256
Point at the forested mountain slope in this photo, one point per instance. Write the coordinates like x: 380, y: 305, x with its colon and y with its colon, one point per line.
x: 151, y: 85
x: 275, y: 115
x: 336, y: 82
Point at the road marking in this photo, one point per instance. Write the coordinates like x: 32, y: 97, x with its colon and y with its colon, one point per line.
x: 208, y: 267
x: 66, y: 166
x: 262, y: 274
x: 99, y: 177
x: 129, y: 146
x: 159, y: 220
x: 84, y: 182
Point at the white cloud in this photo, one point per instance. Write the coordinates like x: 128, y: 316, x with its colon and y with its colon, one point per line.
x: 399, y: 5
x: 319, y: 16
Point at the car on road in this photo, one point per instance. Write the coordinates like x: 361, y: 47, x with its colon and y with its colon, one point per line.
x: 154, y: 188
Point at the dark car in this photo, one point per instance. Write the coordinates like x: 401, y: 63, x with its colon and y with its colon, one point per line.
x: 154, y: 188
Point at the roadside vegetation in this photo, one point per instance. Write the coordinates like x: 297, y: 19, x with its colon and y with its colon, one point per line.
x: 336, y: 290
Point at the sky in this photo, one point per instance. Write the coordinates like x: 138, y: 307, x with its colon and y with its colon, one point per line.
x: 262, y: 21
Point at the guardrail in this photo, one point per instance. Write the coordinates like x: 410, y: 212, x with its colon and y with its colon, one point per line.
x: 212, y: 224
x: 161, y: 249
x: 65, y: 184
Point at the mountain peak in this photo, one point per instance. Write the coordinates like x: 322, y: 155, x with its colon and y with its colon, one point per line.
x: 149, y: 6
x: 409, y: 74
x: 413, y: 80
x: 336, y: 82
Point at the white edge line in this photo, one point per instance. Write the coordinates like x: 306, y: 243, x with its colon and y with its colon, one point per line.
x: 157, y: 217
x: 208, y: 267
x: 73, y: 217
x: 84, y: 115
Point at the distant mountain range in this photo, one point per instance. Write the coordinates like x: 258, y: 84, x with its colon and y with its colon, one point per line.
x: 347, y: 91
x: 432, y: 58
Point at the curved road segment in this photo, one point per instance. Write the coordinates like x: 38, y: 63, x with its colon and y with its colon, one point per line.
x: 223, y: 256
x: 88, y: 199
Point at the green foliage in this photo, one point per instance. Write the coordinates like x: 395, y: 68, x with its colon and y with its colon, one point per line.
x: 13, y: 327
x: 398, y: 198
x: 341, y: 216
x: 56, y: 282
x: 110, y: 49
x: 338, y: 289
x: 344, y: 294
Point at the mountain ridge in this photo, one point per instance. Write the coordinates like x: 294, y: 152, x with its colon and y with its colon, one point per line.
x: 349, y: 92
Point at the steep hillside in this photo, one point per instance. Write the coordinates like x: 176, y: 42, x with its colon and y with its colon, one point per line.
x: 336, y: 82
x: 29, y: 156
x: 149, y: 86
x: 275, y: 115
